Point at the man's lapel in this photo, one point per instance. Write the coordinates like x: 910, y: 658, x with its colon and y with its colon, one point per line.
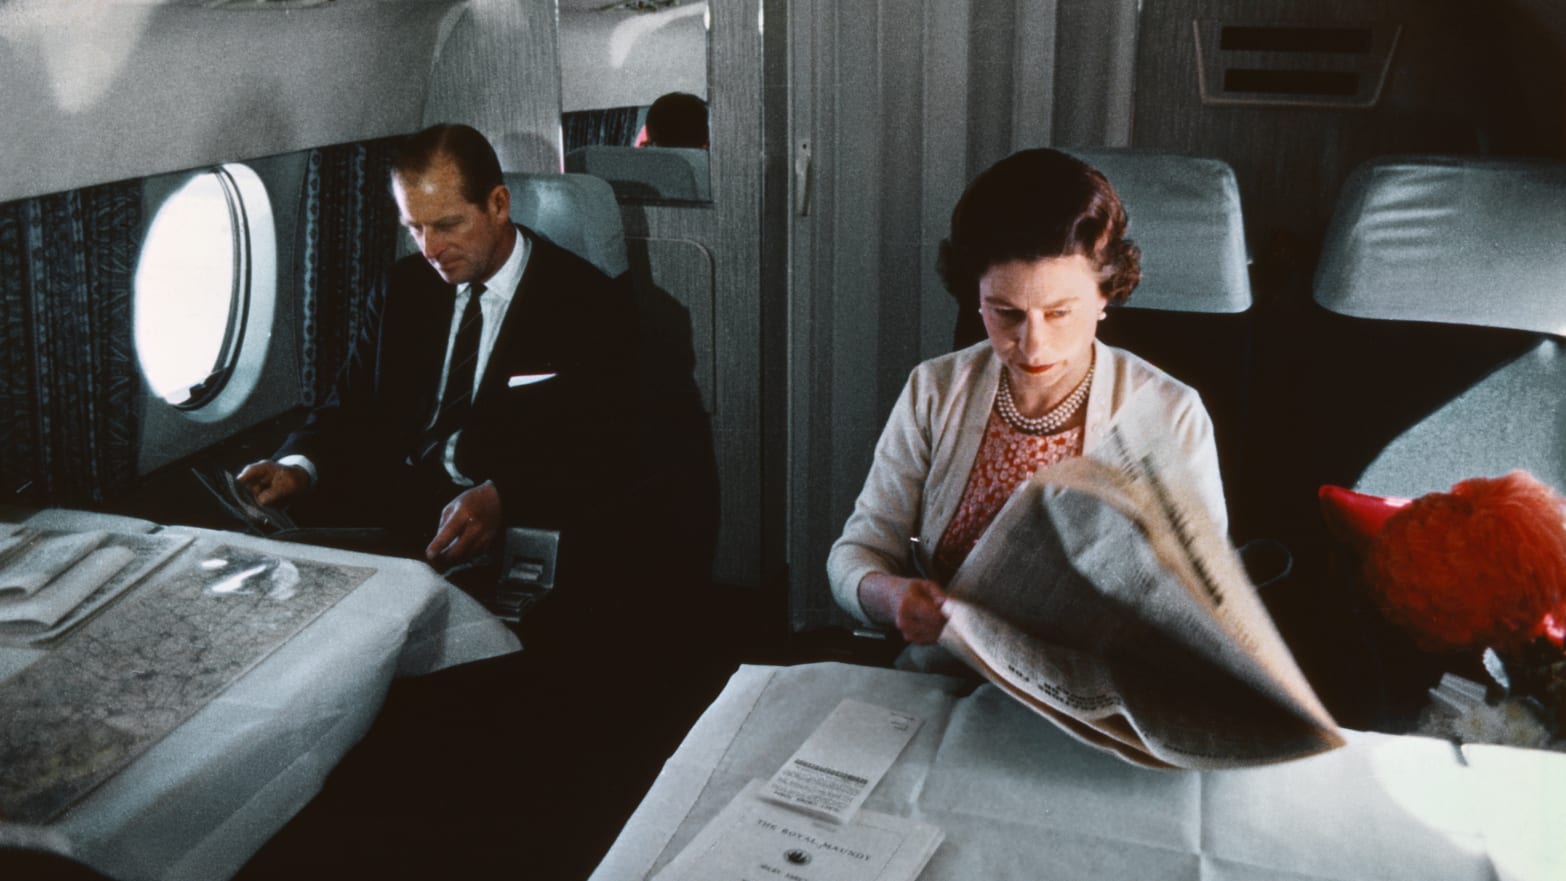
x: 434, y: 340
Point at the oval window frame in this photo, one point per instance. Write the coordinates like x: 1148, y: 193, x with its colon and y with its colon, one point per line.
x: 237, y: 366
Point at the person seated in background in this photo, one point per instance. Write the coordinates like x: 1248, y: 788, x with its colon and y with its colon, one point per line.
x: 491, y: 382
x: 678, y: 119
x: 1038, y: 249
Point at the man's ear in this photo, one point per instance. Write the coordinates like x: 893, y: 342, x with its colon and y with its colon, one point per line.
x: 500, y: 202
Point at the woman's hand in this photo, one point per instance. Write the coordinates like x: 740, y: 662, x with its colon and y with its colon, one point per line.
x: 912, y: 604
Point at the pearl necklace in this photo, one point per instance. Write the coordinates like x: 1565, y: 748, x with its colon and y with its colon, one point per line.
x: 1050, y: 422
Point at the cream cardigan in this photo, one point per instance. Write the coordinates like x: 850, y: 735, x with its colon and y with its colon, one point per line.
x: 931, y: 439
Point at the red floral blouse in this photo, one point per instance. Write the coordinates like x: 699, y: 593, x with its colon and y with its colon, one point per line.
x: 1007, y: 458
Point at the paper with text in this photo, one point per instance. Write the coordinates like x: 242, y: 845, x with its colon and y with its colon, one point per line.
x: 834, y: 770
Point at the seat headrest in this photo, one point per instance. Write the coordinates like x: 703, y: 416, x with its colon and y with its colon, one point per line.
x: 673, y: 173
x: 1472, y: 241
x: 1184, y: 213
x: 576, y: 212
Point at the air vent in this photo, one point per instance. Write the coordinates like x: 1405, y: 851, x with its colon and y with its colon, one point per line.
x: 1320, y: 83
x: 1293, y: 64
x: 1295, y: 39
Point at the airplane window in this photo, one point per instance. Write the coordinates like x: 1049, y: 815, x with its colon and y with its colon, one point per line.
x: 192, y: 289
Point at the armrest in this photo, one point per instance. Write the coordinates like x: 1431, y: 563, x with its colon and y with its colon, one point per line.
x: 527, y: 570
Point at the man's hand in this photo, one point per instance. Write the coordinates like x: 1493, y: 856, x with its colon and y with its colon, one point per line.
x: 273, y: 484
x: 468, y: 524
x: 912, y: 604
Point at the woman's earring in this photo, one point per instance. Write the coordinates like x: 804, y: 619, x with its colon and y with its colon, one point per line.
x: 1102, y: 315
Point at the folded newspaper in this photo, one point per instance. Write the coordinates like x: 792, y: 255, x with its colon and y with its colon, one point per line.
x: 1106, y: 598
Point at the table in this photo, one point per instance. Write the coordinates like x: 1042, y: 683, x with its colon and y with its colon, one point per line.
x: 1020, y: 799
x: 201, y: 800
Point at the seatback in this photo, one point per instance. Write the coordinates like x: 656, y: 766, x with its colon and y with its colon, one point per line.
x: 668, y: 173
x: 1189, y: 315
x: 1184, y: 212
x: 1450, y: 275
x: 578, y: 212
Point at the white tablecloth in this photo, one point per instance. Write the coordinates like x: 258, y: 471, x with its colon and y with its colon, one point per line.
x: 1018, y: 799
x: 202, y: 800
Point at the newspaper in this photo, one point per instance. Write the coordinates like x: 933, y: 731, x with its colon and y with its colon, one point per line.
x: 1105, y: 597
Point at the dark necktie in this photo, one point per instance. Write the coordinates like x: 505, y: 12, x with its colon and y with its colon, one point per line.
x: 458, y: 397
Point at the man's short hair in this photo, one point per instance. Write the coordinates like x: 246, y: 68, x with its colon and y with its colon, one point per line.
x: 678, y: 119
x: 464, y: 146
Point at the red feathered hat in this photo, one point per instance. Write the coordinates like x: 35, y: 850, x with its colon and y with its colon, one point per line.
x: 1481, y: 566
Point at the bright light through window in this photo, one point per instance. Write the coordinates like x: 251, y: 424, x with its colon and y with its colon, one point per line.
x: 190, y: 290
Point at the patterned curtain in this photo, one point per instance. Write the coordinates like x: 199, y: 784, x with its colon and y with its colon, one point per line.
x: 68, y: 374
x: 615, y: 126
x: 349, y: 239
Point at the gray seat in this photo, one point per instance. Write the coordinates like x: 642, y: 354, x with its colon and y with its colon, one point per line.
x: 659, y: 173
x: 1184, y: 212
x: 1461, y: 265
x: 578, y: 212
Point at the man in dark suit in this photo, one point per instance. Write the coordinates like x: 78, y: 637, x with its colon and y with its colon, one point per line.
x: 577, y: 422
x: 548, y: 350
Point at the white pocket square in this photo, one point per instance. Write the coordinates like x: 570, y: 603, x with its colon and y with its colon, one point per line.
x: 528, y: 379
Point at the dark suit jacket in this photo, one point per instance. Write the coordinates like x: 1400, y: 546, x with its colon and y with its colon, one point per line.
x: 555, y: 449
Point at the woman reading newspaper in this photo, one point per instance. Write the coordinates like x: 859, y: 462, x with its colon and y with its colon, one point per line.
x: 1048, y: 508
x: 1038, y: 250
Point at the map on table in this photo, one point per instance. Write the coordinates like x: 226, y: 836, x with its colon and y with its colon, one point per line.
x: 113, y: 687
